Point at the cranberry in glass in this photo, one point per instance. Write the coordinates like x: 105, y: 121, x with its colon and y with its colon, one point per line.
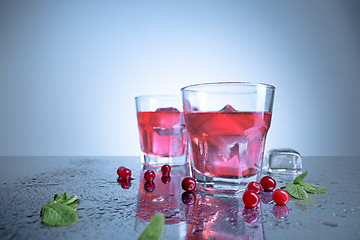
x: 166, y: 169
x: 149, y: 176
x: 188, y: 184
x: 268, y: 183
x: 250, y: 199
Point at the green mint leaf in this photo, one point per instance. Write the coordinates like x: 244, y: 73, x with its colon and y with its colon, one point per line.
x: 154, y: 229
x: 296, y: 191
x: 301, y: 177
x: 318, y: 189
x: 307, y: 187
x: 71, y: 199
x: 58, y: 214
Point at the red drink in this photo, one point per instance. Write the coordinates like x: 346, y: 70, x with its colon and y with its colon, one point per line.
x: 162, y: 133
x: 228, y: 143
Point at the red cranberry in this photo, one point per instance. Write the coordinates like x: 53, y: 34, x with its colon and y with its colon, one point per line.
x: 119, y: 170
x: 149, y: 176
x: 280, y: 197
x: 188, y: 184
x: 188, y: 198
x: 268, y: 183
x: 125, y: 174
x: 149, y: 186
x: 254, y: 186
x: 250, y: 199
x: 166, y: 169
x: 166, y: 179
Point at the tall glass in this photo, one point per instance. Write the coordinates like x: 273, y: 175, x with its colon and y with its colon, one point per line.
x: 227, y: 123
x: 162, y: 131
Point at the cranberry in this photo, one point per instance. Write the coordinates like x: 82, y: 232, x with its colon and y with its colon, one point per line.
x: 188, y: 184
x: 149, y: 186
x: 280, y: 197
x: 120, y: 169
x: 149, y: 176
x: 268, y: 183
x: 188, y: 198
x: 166, y: 169
x: 254, y: 186
x: 124, y: 174
x: 166, y: 179
x: 250, y: 199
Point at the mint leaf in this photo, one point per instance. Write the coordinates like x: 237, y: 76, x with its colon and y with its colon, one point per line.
x: 318, y: 189
x: 296, y: 191
x: 61, y: 211
x: 58, y: 214
x: 301, y: 177
x: 154, y: 229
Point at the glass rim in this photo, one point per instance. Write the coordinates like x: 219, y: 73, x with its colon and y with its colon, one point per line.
x: 158, y: 96
x: 195, y: 87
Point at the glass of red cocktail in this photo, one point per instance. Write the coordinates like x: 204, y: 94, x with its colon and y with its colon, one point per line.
x: 227, y: 124
x: 163, y: 138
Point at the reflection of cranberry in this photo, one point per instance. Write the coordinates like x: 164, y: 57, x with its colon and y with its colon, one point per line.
x: 250, y: 215
x: 280, y: 211
x: 266, y: 197
x: 149, y: 186
x: 188, y: 198
x: 165, y: 179
x: 126, y: 184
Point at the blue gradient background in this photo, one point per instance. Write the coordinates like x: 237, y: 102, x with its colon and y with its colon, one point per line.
x: 69, y: 70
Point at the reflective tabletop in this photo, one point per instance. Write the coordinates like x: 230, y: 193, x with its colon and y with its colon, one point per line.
x: 111, y: 210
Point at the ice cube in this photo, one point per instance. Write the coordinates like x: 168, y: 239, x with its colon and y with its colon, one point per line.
x: 167, y: 109
x: 283, y: 160
x: 228, y: 108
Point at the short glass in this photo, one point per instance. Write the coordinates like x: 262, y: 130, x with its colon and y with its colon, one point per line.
x: 163, y: 138
x: 227, y: 124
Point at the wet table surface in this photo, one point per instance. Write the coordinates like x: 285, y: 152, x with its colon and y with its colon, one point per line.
x: 109, y: 210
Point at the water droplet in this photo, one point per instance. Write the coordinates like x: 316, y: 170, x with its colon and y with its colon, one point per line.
x: 330, y: 224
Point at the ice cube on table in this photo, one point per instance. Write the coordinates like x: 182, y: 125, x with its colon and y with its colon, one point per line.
x: 283, y: 160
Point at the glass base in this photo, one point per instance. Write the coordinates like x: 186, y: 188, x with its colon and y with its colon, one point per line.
x: 156, y: 161
x: 218, y: 185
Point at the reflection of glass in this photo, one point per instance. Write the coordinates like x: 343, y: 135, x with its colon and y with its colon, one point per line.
x: 227, y: 124
x: 163, y: 195
x: 162, y: 130
x: 219, y: 217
